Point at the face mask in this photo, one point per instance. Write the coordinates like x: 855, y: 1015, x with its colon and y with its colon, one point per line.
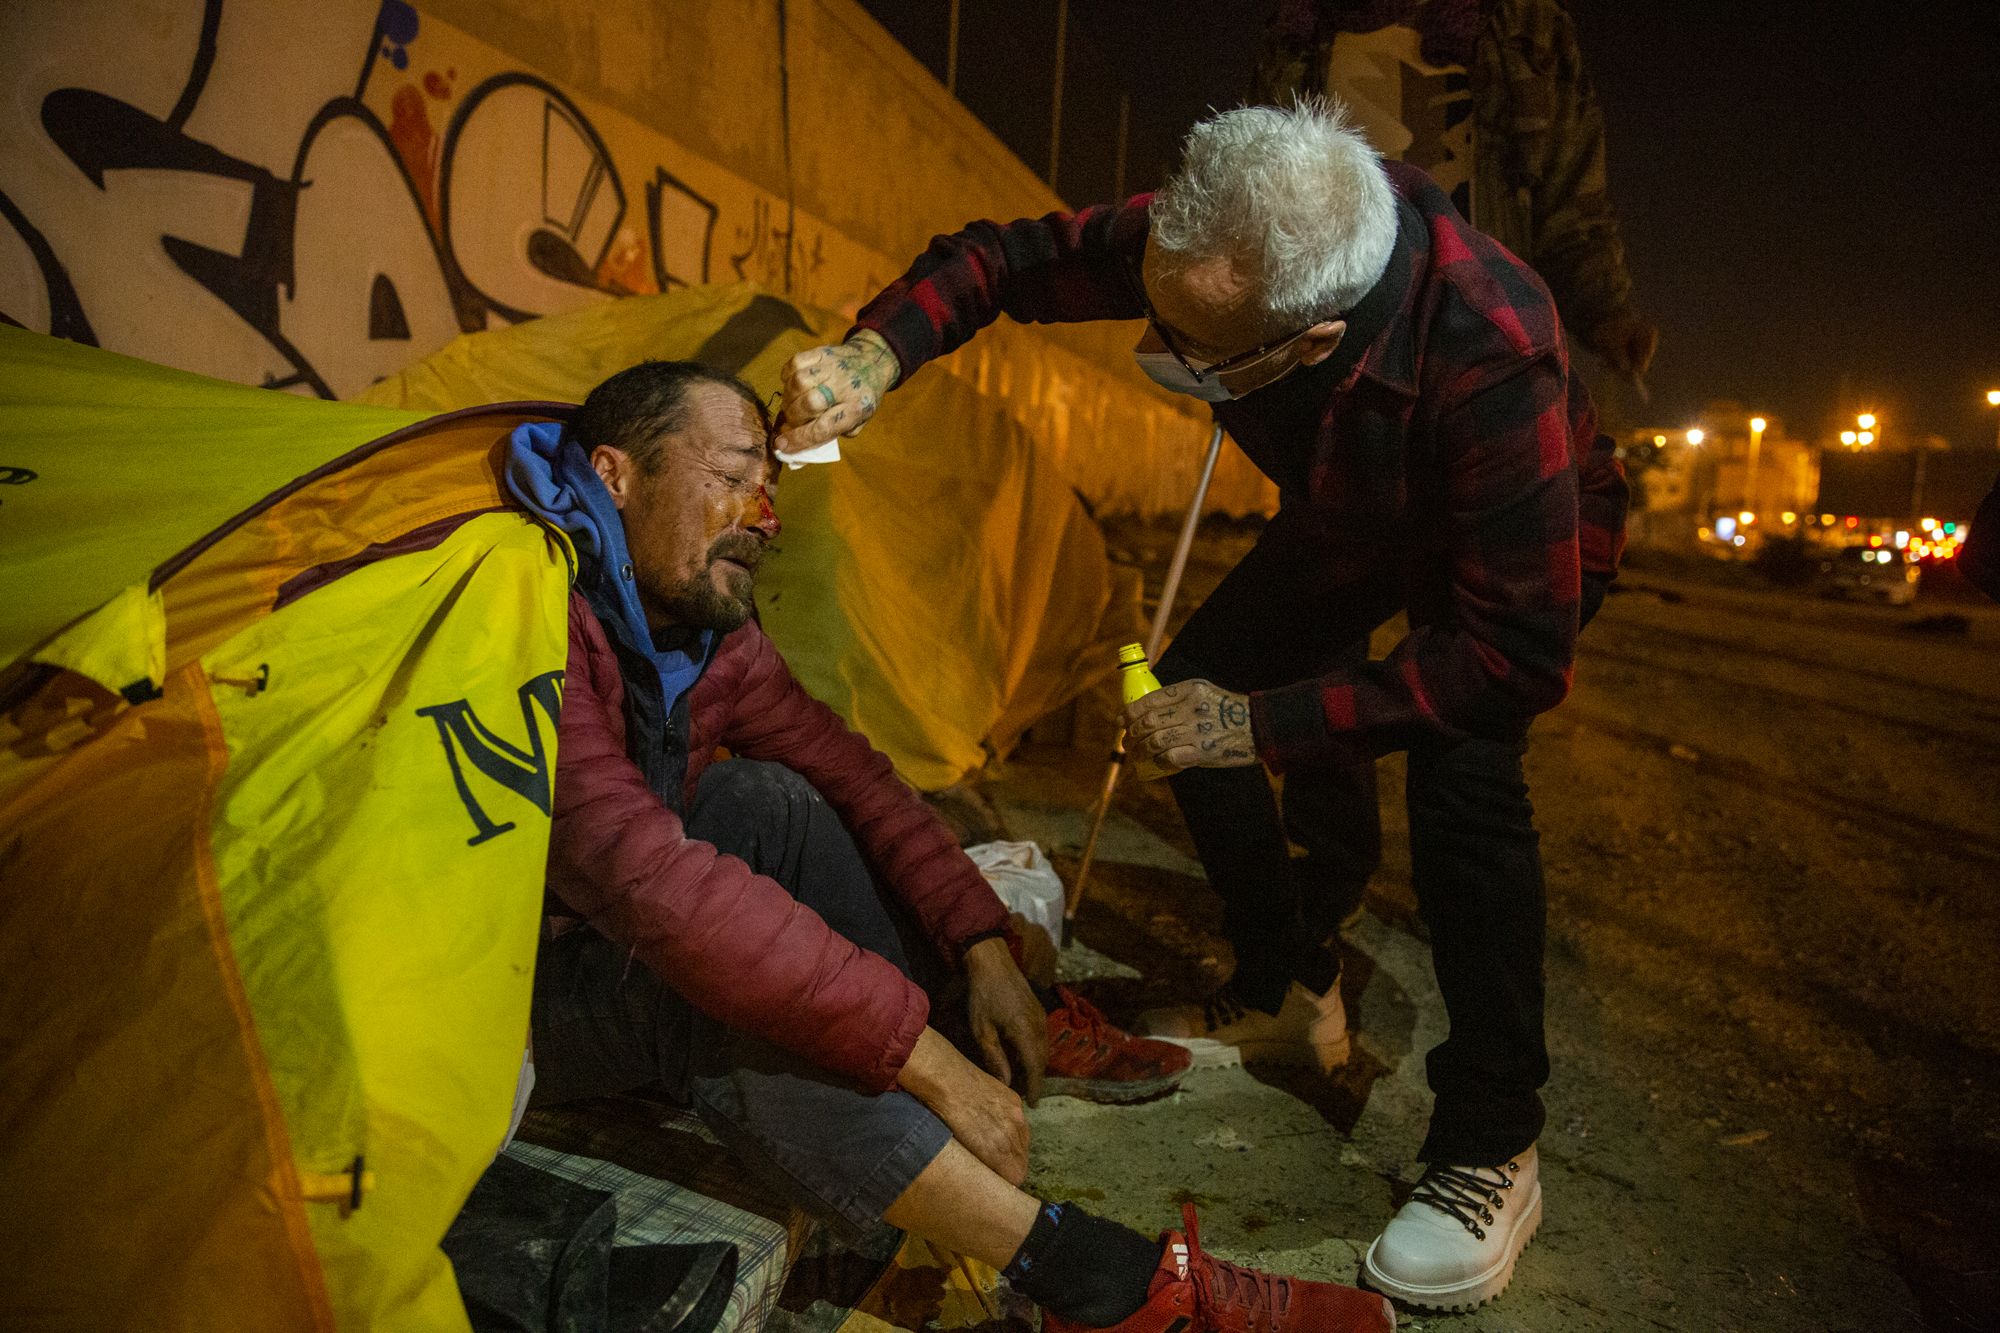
x: 1165, y: 370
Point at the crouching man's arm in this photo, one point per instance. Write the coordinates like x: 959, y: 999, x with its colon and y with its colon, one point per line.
x: 1006, y: 1016
x: 982, y: 1113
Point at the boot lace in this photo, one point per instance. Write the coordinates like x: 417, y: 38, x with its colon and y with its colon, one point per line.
x: 1222, y: 1288
x: 1087, y: 1021
x: 1223, y: 1007
x: 1472, y: 1194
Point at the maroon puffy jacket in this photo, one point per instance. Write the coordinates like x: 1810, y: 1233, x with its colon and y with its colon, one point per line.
x: 733, y: 942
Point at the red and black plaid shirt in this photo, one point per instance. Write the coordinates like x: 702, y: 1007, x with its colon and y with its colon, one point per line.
x: 1449, y: 453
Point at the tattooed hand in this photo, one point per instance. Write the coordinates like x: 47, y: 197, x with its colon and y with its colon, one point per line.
x: 830, y: 391
x: 1191, y: 725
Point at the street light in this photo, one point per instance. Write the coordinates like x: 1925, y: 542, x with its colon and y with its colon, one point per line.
x: 1757, y: 425
x: 1993, y: 400
x: 1866, y: 421
x: 1702, y: 478
x: 1848, y: 437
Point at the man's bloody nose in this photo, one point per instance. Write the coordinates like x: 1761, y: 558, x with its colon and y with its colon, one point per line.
x: 767, y: 517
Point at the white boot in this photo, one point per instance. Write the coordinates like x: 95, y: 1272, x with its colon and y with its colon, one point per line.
x: 1453, y: 1245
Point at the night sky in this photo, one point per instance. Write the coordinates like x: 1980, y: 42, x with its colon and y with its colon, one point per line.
x: 1810, y: 191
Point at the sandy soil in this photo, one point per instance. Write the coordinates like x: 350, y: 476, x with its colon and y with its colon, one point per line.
x: 1772, y: 831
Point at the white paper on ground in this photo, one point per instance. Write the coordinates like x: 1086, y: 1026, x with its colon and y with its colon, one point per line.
x: 1024, y: 881
x: 819, y: 453
x: 1207, y: 1052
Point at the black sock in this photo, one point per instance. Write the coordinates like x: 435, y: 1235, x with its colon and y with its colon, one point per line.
x: 1083, y: 1268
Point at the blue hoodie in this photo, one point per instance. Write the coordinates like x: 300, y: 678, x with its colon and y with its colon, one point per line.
x: 552, y: 476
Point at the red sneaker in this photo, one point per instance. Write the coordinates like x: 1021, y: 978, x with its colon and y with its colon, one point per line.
x: 1091, y: 1059
x: 1193, y: 1292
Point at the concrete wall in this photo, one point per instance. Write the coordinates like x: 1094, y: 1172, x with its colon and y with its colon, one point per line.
x: 310, y: 194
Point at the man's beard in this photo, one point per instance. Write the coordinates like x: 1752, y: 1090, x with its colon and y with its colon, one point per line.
x: 699, y: 604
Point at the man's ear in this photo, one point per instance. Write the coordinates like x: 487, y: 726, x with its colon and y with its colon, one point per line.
x: 1316, y: 344
x: 615, y: 468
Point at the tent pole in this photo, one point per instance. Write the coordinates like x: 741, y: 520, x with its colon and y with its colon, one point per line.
x: 1154, y: 638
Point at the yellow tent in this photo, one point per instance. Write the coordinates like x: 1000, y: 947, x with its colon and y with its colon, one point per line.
x: 272, y: 833
x: 278, y: 687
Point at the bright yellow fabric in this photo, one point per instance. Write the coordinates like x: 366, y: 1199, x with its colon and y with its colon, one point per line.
x: 941, y: 587
x: 122, y: 643
x: 282, y: 916
x: 449, y: 468
x: 141, y: 1175
x: 386, y: 955
x: 132, y: 462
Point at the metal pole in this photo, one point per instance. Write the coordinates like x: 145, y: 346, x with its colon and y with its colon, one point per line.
x: 1055, y: 105
x: 951, y: 54
x: 1154, y: 637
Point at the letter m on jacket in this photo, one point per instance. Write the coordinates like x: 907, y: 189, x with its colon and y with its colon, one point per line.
x: 471, y: 747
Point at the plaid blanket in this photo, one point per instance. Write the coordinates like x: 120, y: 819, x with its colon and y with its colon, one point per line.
x: 674, y: 1183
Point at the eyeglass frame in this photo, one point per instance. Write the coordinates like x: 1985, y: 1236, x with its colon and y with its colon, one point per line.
x: 1216, y: 368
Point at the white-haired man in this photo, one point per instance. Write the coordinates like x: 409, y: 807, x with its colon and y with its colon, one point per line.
x: 1403, y: 380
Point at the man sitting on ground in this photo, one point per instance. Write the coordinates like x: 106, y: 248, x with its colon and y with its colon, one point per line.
x: 741, y: 947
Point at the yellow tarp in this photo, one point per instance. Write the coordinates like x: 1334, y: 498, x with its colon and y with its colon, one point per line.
x: 130, y: 462
x: 269, y: 932
x: 941, y: 587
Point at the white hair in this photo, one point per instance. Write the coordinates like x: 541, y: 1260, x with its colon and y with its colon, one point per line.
x: 1293, y: 194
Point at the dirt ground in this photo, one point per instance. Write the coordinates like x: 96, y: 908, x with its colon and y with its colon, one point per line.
x: 1772, y: 832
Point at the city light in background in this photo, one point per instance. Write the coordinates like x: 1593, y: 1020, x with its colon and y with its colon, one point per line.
x: 1752, y: 491
x: 1757, y: 426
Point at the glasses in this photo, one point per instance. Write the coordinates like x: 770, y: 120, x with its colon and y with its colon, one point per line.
x: 1202, y: 369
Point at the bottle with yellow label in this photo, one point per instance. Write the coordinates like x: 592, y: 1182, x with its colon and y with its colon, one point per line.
x: 1135, y: 681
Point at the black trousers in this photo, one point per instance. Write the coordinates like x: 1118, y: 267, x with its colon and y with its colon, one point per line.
x: 1281, y: 616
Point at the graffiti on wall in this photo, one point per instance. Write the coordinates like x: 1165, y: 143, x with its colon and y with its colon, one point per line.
x: 311, y: 194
